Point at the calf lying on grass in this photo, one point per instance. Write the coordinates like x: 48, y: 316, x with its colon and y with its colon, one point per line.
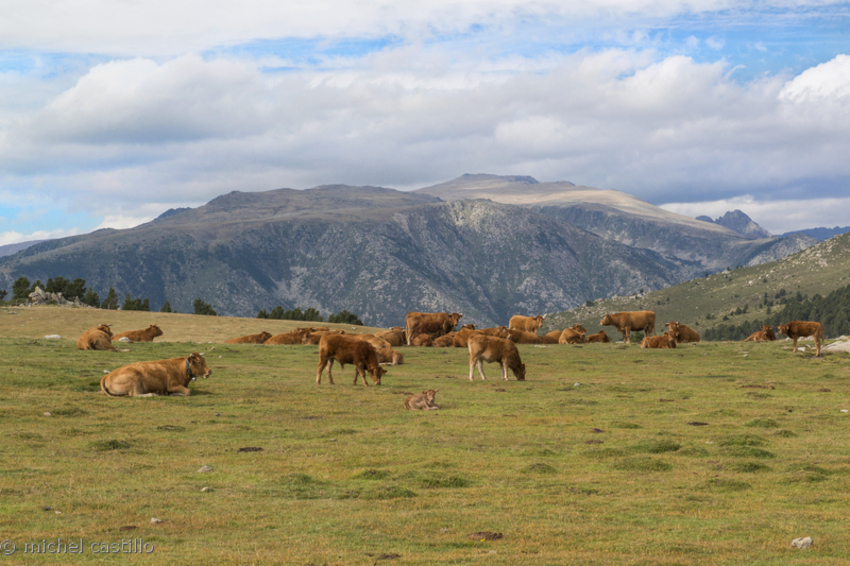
x: 347, y: 350
x: 766, y: 334
x: 251, y: 338
x: 660, y: 341
x: 163, y: 377
x: 491, y: 349
x: 422, y: 401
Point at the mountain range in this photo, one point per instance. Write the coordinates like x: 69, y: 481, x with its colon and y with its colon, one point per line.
x: 485, y: 245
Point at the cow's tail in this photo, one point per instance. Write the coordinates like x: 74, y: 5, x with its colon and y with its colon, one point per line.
x: 104, y: 388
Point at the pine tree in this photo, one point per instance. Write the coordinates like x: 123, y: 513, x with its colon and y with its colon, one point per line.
x: 204, y: 308
x: 111, y: 300
x: 166, y: 307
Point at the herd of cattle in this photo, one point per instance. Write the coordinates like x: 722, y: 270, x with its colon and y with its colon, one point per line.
x: 367, y: 352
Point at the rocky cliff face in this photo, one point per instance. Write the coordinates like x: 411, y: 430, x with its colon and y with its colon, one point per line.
x: 378, y: 256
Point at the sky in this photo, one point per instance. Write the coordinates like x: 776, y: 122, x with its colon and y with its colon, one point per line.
x: 113, y: 112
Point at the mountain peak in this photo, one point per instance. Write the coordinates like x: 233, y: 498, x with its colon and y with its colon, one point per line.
x: 739, y: 222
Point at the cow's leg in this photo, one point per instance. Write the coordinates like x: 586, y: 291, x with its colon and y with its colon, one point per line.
x: 504, y: 370
x: 180, y: 391
x: 320, y: 369
x: 795, y: 345
x: 330, y: 367
x: 626, y: 336
x: 481, y: 368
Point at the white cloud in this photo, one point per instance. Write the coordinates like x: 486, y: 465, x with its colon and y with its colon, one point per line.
x: 17, y: 237
x: 827, y: 82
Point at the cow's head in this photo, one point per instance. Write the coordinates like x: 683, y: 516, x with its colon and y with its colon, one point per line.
x: 606, y: 321
x: 456, y: 316
x: 579, y: 328
x: 265, y: 335
x: 539, y: 318
x: 155, y: 330
x: 197, y: 366
x: 767, y: 328
x: 520, y: 372
x: 377, y: 373
x: 430, y: 395
x: 105, y: 328
x: 782, y: 329
x: 673, y: 329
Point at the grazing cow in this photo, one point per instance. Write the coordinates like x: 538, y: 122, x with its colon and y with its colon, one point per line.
x: 445, y: 323
x: 389, y: 357
x: 250, y: 339
x: 163, y: 377
x: 422, y: 401
x: 572, y: 336
x: 491, y: 349
x: 682, y: 332
x: 293, y: 337
x: 395, y: 336
x: 798, y: 328
x: 599, y: 337
x: 526, y: 323
x: 347, y: 350
x: 523, y: 337
x: 627, y: 321
x: 661, y: 341
x: 766, y: 334
x: 97, y: 338
x: 146, y: 335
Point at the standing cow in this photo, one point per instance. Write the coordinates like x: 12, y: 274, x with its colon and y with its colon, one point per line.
x: 627, y: 321
x: 491, y: 349
x: 798, y: 328
x: 526, y: 323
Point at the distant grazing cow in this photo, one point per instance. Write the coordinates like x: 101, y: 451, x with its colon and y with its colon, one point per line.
x: 797, y: 329
x: 766, y: 334
x: 163, y: 377
x: 526, y: 323
x: 483, y: 348
x: 661, y: 341
x: 146, y: 335
x: 395, y: 336
x: 97, y: 338
x: 599, y: 337
x: 250, y: 339
x: 347, y: 350
x: 444, y: 323
x: 682, y: 333
x: 523, y: 337
x: 422, y: 401
x: 627, y: 321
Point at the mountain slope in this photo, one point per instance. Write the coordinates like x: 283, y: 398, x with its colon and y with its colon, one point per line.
x: 373, y: 251
x: 693, y: 245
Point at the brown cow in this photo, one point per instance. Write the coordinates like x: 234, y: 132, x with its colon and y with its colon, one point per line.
x: 491, y: 349
x: 766, y: 334
x: 315, y: 336
x: 422, y: 340
x: 526, y: 323
x: 97, y: 338
x: 572, y: 336
x: 293, y: 337
x: 682, y: 332
x: 627, y: 321
x: 395, y: 336
x: 444, y: 320
x: 388, y: 356
x: 250, y: 339
x: 372, y: 339
x: 446, y: 341
x: 599, y: 337
x: 661, y: 341
x: 422, y: 401
x: 523, y: 337
x: 146, y: 335
x: 347, y: 350
x: 163, y: 377
x: 798, y: 328
x: 552, y: 337
x: 461, y: 338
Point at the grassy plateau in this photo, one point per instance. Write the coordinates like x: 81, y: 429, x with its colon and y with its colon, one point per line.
x: 714, y: 453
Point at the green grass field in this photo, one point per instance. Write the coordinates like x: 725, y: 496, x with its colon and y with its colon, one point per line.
x: 715, y: 453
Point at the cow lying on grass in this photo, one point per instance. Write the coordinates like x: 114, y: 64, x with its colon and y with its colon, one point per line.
x: 251, y: 338
x: 347, y: 350
x: 797, y: 329
x: 145, y: 335
x: 682, y: 332
x: 422, y: 401
x: 97, y: 338
x: 163, y: 377
x: 574, y: 335
x: 598, y: 338
x: 766, y: 334
x: 483, y: 348
x: 660, y: 341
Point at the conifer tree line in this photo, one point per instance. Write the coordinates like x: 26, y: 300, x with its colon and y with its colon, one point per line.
x: 833, y: 311
x: 310, y: 315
